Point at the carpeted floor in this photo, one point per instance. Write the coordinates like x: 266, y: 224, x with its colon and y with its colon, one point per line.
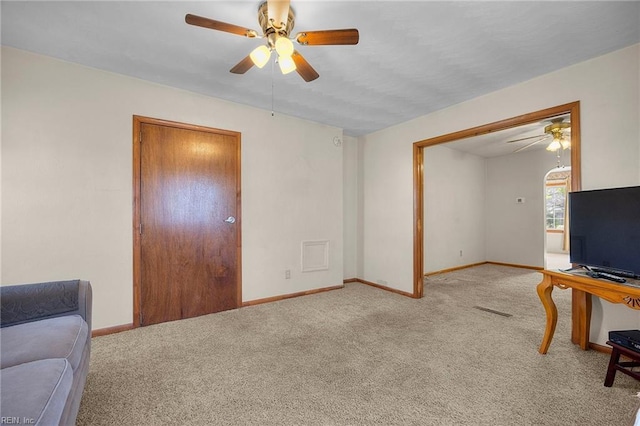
x: 361, y: 355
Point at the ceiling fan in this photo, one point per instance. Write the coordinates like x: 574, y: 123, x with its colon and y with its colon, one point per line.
x: 559, y: 131
x: 277, y: 19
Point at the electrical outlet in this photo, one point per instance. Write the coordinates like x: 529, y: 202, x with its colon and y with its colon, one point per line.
x: 287, y: 274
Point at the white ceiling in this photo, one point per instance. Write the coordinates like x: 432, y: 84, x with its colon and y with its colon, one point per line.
x: 414, y: 57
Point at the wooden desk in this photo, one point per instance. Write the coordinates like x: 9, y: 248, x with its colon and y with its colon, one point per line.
x: 583, y: 287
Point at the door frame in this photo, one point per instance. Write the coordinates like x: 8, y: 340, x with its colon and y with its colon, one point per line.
x: 138, y: 121
x: 572, y: 108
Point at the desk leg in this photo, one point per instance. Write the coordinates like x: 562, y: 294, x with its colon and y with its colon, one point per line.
x: 580, y: 318
x: 544, y: 293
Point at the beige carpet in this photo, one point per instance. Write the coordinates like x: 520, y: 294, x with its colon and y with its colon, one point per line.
x: 360, y: 355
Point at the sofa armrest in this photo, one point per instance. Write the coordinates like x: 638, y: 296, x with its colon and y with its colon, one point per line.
x: 31, y: 302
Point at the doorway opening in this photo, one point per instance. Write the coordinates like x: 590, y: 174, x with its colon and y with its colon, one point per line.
x: 419, y: 148
x: 557, y: 185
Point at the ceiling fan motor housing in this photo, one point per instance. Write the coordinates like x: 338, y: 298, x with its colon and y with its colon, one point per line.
x: 556, y: 129
x: 273, y: 30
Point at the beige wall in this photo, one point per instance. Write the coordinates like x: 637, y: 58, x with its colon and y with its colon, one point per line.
x: 608, y: 89
x: 454, y: 208
x: 350, y: 203
x: 516, y: 232
x: 67, y: 181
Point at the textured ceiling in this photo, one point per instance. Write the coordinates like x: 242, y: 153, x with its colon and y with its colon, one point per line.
x: 413, y: 57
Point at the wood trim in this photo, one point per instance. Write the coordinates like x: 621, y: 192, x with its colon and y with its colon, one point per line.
x: 350, y: 280
x: 418, y: 219
x: 138, y: 121
x: 456, y: 268
x: 605, y: 350
x: 508, y: 123
x: 515, y: 265
x: 572, y: 108
x: 137, y: 257
x: 290, y: 296
x: 185, y: 126
x: 600, y: 348
x: 238, y: 135
x: 112, y: 330
x: 392, y: 290
x: 554, y: 231
x: 576, y: 165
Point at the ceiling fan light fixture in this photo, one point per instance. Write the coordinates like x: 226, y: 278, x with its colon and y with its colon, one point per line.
x: 554, y: 145
x: 566, y: 143
x: 260, y: 56
x: 286, y: 64
x: 277, y: 20
x: 284, y: 46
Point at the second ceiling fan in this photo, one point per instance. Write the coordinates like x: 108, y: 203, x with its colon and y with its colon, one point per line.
x: 559, y: 131
x: 277, y: 19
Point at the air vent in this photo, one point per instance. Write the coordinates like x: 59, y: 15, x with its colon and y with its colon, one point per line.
x: 492, y: 311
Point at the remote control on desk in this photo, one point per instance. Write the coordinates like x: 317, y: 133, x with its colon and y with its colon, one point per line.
x: 623, y: 274
x: 606, y: 276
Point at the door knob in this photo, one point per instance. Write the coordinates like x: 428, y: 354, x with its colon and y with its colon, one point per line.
x: 230, y: 219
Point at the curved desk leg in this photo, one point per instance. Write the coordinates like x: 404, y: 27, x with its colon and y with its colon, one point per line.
x: 544, y: 293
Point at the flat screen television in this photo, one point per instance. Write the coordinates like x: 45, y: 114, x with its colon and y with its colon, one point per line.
x: 604, y: 229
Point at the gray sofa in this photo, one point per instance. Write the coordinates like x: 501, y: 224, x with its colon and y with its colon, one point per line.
x: 45, y: 344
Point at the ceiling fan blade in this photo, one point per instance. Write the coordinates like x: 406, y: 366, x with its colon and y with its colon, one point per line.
x: 242, y: 66
x: 524, y: 139
x: 199, y: 21
x: 315, y: 38
x: 530, y: 144
x: 303, y: 68
x: 278, y: 13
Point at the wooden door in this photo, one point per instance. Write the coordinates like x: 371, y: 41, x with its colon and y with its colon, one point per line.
x: 189, y: 238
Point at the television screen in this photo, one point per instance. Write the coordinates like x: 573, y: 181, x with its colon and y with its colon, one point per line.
x: 604, y: 229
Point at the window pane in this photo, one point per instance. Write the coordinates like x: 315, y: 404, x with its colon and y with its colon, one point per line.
x: 554, y: 206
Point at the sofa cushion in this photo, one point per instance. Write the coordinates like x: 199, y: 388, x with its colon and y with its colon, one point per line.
x: 38, y: 391
x: 62, y: 337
